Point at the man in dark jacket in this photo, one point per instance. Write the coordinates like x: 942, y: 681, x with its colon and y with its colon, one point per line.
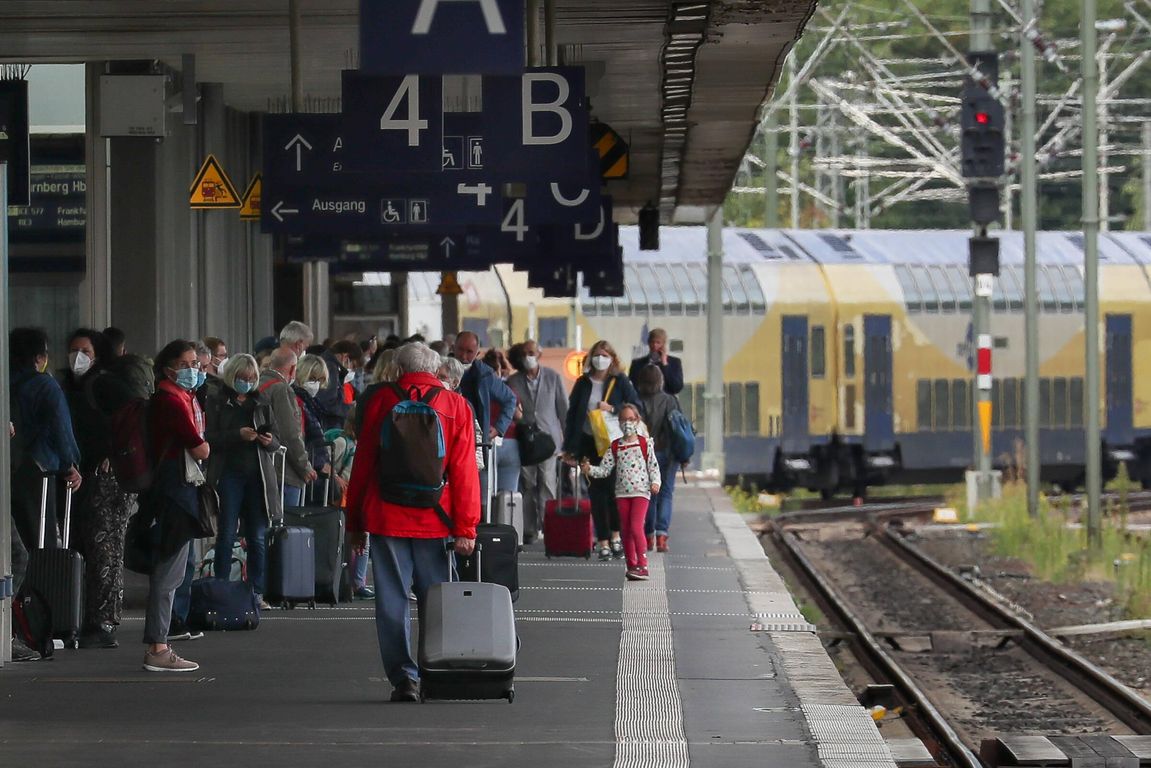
x: 481, y: 388
x: 337, y: 396
x: 670, y: 367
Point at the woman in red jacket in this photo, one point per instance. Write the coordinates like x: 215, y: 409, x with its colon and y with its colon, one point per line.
x: 408, y: 542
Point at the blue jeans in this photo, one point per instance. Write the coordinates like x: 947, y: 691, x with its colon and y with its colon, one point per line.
x: 182, y: 600
x: 292, y: 496
x: 400, y: 566
x: 508, y: 466
x: 242, y: 499
x: 360, y: 579
x: 659, y: 512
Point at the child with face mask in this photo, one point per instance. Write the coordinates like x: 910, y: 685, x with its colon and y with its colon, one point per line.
x: 637, y: 479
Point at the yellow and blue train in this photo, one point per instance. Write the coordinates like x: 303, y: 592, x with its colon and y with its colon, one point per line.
x: 848, y: 355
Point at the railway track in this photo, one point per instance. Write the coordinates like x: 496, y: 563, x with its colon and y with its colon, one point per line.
x: 964, y: 667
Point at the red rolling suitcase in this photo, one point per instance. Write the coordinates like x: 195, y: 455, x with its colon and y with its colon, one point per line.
x: 58, y: 574
x: 568, y: 527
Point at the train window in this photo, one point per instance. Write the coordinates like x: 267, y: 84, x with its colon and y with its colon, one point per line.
x: 1046, y: 291
x: 696, y: 282
x: 923, y: 404
x: 849, y: 406
x: 960, y: 405
x: 735, y: 299
x: 1063, y: 287
x: 1045, y: 402
x: 651, y: 275
x: 751, y: 408
x: 929, y: 289
x: 675, y: 289
x: 912, y: 296
x: 1014, y: 287
x: 1011, y: 402
x: 849, y: 350
x: 818, y: 352
x: 633, y: 294
x: 697, y: 404
x: 1059, y: 403
x: 755, y: 294
x: 962, y: 283
x: 941, y: 405
x: 685, y: 402
x: 1075, y: 392
x: 733, y: 412
x: 948, y: 295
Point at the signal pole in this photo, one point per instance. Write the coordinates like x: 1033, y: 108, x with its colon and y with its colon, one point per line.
x: 977, y: 115
x: 1094, y: 469
x: 771, y: 172
x: 1028, y: 194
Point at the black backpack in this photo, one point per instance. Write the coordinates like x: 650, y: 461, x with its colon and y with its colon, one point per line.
x: 32, y: 621
x: 410, y: 465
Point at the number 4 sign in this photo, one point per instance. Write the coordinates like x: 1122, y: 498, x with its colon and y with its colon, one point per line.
x: 393, y: 123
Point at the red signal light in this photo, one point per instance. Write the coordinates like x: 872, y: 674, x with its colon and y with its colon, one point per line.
x: 982, y: 118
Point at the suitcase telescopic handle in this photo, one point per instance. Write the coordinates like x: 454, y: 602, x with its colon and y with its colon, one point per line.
x: 45, y: 484
x: 450, y: 549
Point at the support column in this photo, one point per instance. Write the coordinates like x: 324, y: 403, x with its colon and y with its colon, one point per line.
x: 1147, y: 176
x: 5, y: 441
x: 793, y: 147
x: 713, y: 398
x: 1028, y: 199
x: 771, y: 171
x: 96, y: 287
x: 1091, y: 393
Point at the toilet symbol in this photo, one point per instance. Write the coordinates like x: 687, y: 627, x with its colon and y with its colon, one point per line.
x: 418, y: 212
x: 475, y: 152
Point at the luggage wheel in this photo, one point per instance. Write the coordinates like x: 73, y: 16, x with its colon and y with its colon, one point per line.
x: 511, y: 695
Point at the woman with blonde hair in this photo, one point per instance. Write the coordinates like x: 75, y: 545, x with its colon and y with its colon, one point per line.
x: 603, y: 387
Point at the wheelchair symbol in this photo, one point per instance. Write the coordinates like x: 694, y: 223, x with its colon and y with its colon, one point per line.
x: 393, y: 211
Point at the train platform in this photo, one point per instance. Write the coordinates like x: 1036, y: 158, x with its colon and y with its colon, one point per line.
x: 707, y: 664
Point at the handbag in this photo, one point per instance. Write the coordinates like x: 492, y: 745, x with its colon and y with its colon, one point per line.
x: 535, y: 444
x: 604, y: 426
x: 207, y: 500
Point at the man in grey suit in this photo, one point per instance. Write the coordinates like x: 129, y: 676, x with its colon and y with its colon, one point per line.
x: 541, y: 393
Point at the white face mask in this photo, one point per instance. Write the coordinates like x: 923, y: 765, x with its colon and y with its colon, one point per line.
x: 312, y: 388
x: 79, y: 362
x: 349, y: 377
x: 531, y: 363
x: 600, y: 362
x: 220, y: 365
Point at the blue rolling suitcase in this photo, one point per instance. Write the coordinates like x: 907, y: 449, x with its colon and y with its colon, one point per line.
x: 327, y: 524
x: 468, y: 643
x: 223, y: 604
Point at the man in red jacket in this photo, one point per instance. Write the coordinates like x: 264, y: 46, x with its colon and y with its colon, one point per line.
x: 408, y: 543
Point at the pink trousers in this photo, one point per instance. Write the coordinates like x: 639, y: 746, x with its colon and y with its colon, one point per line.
x: 632, y: 513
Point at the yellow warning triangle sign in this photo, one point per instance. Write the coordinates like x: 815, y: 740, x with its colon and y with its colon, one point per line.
x: 449, y: 285
x: 250, y: 204
x: 212, y: 187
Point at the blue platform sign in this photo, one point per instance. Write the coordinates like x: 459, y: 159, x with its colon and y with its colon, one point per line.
x: 393, y: 123
x: 442, y: 37
x: 301, y: 148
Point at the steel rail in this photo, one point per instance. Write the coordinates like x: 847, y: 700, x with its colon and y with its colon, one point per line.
x: 1126, y: 705
x: 876, y: 658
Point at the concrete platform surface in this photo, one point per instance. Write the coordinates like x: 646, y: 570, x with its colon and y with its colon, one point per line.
x: 708, y: 664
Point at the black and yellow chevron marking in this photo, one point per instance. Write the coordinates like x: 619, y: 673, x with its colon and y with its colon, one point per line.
x: 612, y: 149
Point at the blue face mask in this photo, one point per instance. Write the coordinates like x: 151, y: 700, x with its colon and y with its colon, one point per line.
x: 243, y: 387
x: 201, y: 377
x: 186, y: 378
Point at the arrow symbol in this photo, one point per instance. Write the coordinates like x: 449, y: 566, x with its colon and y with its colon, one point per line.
x: 447, y: 244
x: 300, y: 143
x: 279, y: 208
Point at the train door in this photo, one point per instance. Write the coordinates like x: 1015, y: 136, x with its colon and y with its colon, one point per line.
x: 794, y: 372
x: 878, y: 419
x: 1120, y: 429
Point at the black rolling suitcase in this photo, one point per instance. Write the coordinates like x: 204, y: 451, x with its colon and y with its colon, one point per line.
x: 467, y: 647
x: 328, y: 525
x: 291, y: 576
x: 58, y: 574
x: 501, y: 546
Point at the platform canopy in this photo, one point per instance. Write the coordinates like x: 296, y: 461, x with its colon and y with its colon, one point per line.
x: 682, y: 81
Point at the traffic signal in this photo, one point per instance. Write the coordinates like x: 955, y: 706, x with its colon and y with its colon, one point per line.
x: 981, y: 122
x: 649, y: 228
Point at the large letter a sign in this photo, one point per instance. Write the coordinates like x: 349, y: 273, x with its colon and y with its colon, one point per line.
x: 442, y: 37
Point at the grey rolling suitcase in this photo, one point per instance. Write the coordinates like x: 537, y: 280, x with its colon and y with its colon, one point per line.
x: 291, y: 576
x: 467, y: 647
x: 508, y: 509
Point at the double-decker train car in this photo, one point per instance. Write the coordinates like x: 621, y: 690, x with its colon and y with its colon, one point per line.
x: 848, y: 355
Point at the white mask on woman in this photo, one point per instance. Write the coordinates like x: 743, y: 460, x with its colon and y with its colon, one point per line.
x: 601, y: 362
x: 312, y: 388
